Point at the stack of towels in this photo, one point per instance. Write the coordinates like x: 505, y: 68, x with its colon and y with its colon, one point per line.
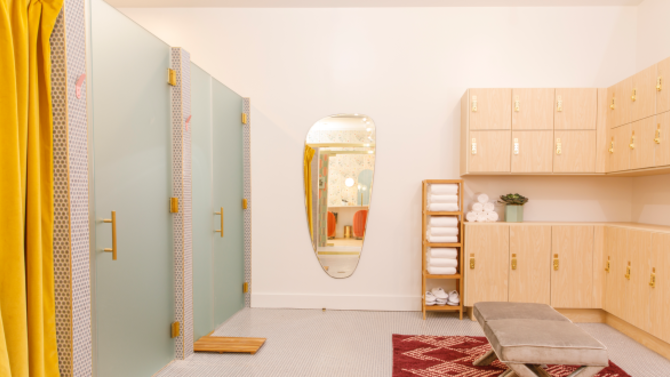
x: 442, y: 261
x: 442, y: 229
x: 482, y: 210
x: 443, y: 198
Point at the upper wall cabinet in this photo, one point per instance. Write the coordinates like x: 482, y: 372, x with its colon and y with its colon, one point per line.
x: 643, y: 95
x: 490, y: 109
x: 576, y: 109
x: 532, y: 109
x: 623, y: 92
x: 662, y: 86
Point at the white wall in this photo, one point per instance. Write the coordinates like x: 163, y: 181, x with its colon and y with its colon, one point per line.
x: 407, y: 69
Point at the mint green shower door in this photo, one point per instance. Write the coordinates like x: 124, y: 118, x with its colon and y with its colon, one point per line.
x: 218, y: 166
x: 134, y: 294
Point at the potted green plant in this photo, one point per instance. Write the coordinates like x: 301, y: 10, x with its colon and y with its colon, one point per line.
x: 513, y: 207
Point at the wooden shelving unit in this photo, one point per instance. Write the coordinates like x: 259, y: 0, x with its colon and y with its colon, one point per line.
x: 425, y: 214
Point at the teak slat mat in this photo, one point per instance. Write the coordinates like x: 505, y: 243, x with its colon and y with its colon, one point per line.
x: 223, y: 344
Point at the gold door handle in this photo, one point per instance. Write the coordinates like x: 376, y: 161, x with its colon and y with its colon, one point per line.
x: 611, y: 150
x: 607, y: 266
x: 652, y: 279
x: 220, y: 214
x: 633, y: 96
x: 516, y: 104
x: 559, y: 103
x: 658, y: 84
x: 612, y: 105
x: 657, y: 139
x: 513, y: 262
x: 556, y: 263
x: 632, y: 141
x: 627, y: 276
x: 472, y: 262
x: 474, y: 104
x: 558, y: 146
x: 113, y: 222
x: 516, y: 146
x: 474, y: 145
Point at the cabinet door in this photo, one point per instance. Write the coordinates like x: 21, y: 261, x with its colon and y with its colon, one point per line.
x: 531, y: 151
x: 616, y: 240
x: 575, y: 151
x: 642, y: 143
x: 662, y: 139
x: 487, y: 261
x: 490, y: 109
x: 623, y: 102
x: 576, y: 109
x: 491, y: 153
x: 636, y: 294
x: 659, y: 294
x: 533, y: 109
x: 643, y: 98
x: 572, y: 266
x: 530, y: 260
x: 619, y: 150
x: 663, y: 92
x: 611, y: 107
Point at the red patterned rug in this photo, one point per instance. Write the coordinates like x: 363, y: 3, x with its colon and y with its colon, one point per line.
x: 452, y: 356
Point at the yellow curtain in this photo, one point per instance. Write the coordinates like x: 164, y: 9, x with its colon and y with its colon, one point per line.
x: 27, y: 310
x: 309, y: 154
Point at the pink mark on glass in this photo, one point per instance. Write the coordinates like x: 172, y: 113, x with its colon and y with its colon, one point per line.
x: 188, y: 121
x: 78, y: 84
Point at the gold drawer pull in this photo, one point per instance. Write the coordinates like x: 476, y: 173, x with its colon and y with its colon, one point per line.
x: 632, y: 141
x: 607, y: 266
x: 612, y: 105
x: 474, y: 145
x: 474, y: 104
x: 513, y: 261
x: 113, y: 250
x: 556, y: 263
x: 658, y: 84
x: 657, y: 139
x: 611, y: 150
x: 516, y: 146
x: 633, y: 96
x: 627, y: 276
x: 516, y: 104
x: 558, y: 146
x: 559, y: 105
x: 652, y: 279
x: 472, y: 261
x: 220, y: 214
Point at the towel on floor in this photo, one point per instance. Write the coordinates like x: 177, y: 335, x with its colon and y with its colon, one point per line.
x: 442, y: 239
x: 444, y: 189
x: 442, y: 270
x: 443, y: 262
x: 444, y: 231
x: 432, y: 198
x: 443, y: 221
x: 443, y: 207
x: 443, y: 252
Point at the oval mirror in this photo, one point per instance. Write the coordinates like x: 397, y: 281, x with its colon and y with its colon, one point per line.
x: 338, y: 167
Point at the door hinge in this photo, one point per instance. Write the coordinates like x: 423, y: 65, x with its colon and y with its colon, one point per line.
x: 174, y: 205
x: 244, y: 118
x: 174, y: 330
x: 245, y: 287
x: 244, y: 204
x: 172, y: 77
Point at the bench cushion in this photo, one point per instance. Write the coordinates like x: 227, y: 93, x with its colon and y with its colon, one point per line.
x: 533, y: 341
x: 491, y: 311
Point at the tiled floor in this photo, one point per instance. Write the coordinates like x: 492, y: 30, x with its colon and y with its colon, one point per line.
x: 313, y: 343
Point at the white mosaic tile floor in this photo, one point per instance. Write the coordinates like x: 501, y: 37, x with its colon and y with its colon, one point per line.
x: 313, y: 343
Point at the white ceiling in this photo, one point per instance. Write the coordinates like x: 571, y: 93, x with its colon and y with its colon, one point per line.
x: 364, y: 3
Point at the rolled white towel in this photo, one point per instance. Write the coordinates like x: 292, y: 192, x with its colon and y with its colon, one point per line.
x: 444, y: 189
x: 477, y: 207
x: 442, y: 239
x: 442, y: 270
x: 444, y: 231
x: 489, y: 206
x: 471, y: 216
x: 481, y: 217
x: 432, y: 198
x: 443, y: 262
x: 443, y: 207
x: 492, y: 216
x: 443, y: 252
x: 443, y: 221
x: 482, y: 198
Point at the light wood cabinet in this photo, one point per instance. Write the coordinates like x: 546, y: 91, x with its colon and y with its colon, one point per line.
x: 576, y: 109
x: 659, y: 293
x: 623, y: 91
x: 642, y: 143
x: 489, y: 151
x: 617, y: 245
x: 532, y: 109
x: 643, y: 94
x: 662, y: 139
x: 490, y: 109
x: 601, y: 132
x: 530, y: 252
x: 663, y: 86
x: 611, y: 107
x: 487, y: 263
x: 531, y: 151
x: 619, y: 149
x: 572, y: 266
x: 635, y: 294
x: 574, y: 151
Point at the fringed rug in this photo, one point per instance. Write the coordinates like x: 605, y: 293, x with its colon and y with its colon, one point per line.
x: 452, y: 356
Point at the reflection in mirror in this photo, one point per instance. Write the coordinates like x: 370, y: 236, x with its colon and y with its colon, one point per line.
x: 338, y: 167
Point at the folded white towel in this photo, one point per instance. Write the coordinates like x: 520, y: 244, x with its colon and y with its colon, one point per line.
x: 443, y: 189
x: 481, y: 217
x: 482, y: 198
x: 471, y: 216
x: 489, y: 206
x: 443, y: 221
x: 432, y: 198
x: 443, y: 252
x: 443, y: 207
x: 477, y: 207
x: 442, y: 239
x: 492, y: 216
x: 444, y: 231
x: 443, y: 262
x: 442, y: 270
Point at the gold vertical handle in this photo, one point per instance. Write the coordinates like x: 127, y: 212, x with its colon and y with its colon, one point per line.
x: 516, y: 104
x: 658, y: 84
x: 474, y: 145
x: 632, y: 141
x: 474, y: 104
x: 220, y: 214
x: 633, y: 96
x: 558, y: 146
x: 611, y: 150
x: 657, y: 139
x: 516, y: 146
x: 556, y: 262
x: 513, y: 262
x: 472, y: 261
x: 612, y: 105
x: 652, y: 279
x: 607, y: 266
x: 628, y: 268
x: 559, y: 104
x: 113, y: 222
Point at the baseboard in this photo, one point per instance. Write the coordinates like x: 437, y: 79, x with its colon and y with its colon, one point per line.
x: 653, y: 343
x: 584, y: 315
x: 339, y: 302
